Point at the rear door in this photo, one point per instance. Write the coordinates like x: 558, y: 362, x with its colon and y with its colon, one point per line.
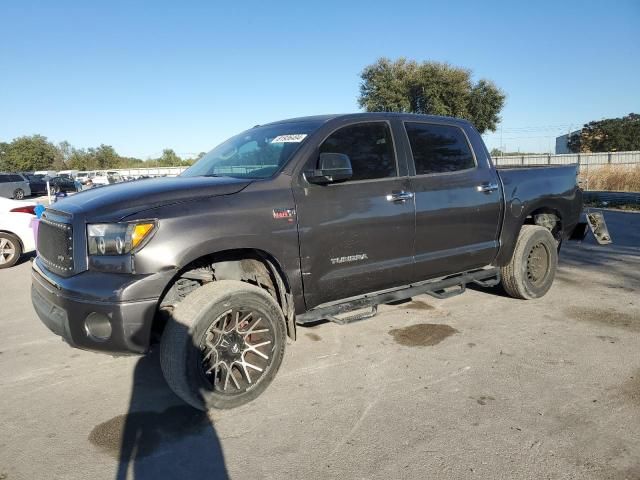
x: 458, y: 200
x: 354, y: 237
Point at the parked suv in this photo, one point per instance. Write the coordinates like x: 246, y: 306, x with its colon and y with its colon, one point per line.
x: 14, y: 186
x: 287, y: 224
x: 37, y: 183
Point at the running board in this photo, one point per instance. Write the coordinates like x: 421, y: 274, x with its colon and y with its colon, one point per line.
x: 444, y: 293
x: 441, y: 288
x: 373, y: 311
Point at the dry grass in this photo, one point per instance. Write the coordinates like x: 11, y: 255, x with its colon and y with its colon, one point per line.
x: 613, y: 178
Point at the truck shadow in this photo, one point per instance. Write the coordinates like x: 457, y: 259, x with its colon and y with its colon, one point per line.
x: 160, y: 436
x: 621, y: 258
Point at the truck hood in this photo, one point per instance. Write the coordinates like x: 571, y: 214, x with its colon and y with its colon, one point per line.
x: 122, y: 199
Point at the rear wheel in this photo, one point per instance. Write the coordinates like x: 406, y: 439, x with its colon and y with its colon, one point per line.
x: 223, y: 345
x: 10, y: 250
x: 18, y: 194
x: 532, y: 268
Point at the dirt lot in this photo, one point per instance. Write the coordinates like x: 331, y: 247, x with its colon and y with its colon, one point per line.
x: 477, y: 386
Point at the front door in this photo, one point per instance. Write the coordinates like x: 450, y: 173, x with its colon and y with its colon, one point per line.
x: 356, y: 236
x: 458, y: 201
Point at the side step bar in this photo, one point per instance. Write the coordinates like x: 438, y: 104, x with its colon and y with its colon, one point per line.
x: 441, y: 288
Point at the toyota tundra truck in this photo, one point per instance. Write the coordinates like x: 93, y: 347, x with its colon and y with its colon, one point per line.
x: 290, y: 223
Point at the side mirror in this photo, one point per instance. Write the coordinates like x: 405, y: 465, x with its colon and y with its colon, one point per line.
x: 332, y: 167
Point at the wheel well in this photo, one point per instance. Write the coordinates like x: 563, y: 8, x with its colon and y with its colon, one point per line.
x: 17, y: 236
x: 548, y: 218
x: 253, y: 266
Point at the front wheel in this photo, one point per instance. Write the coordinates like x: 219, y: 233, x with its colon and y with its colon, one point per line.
x: 223, y: 345
x: 10, y: 250
x: 532, y: 268
x: 18, y: 194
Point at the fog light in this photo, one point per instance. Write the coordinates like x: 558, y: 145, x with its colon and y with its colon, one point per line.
x: 98, y: 326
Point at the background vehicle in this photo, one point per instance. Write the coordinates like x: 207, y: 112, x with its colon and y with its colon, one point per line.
x: 37, y: 183
x: 13, y: 185
x: 107, y: 178
x: 286, y: 224
x: 16, y: 233
x: 61, y: 184
x: 68, y: 173
x: 46, y: 173
x: 83, y: 177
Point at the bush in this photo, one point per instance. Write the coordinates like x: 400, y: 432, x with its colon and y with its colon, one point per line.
x: 613, y: 178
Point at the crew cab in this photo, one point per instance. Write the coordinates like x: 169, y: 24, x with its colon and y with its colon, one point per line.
x: 288, y: 223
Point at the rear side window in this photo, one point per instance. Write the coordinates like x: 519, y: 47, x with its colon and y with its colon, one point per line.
x: 368, y: 145
x: 4, y: 178
x: 439, y: 148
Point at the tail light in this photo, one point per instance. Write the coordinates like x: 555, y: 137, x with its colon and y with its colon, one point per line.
x: 28, y: 209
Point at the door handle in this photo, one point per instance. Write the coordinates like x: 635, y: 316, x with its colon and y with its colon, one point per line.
x: 399, y: 196
x: 487, y: 187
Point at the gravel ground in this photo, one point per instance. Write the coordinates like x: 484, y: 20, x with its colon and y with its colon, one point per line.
x: 476, y: 386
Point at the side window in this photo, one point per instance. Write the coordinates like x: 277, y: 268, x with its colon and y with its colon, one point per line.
x: 4, y: 178
x: 439, y: 148
x: 368, y: 145
x: 17, y: 178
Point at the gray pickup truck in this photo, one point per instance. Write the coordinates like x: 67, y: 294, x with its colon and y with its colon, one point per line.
x: 290, y: 223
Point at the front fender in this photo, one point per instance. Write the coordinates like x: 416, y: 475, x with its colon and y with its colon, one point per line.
x: 193, y: 230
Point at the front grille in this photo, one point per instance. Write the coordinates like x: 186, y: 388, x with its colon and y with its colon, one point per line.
x: 55, y: 246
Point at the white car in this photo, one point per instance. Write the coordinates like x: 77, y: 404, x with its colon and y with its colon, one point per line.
x: 107, y: 178
x: 16, y: 230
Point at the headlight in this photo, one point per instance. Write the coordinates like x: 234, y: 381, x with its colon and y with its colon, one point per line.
x: 117, y: 238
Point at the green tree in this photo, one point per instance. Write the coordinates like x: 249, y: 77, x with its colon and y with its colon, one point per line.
x: 169, y: 158
x: 430, y: 88
x: 63, y: 155
x: 4, y: 150
x: 30, y: 153
x: 78, y: 159
x: 608, y: 135
x: 102, y: 158
x: 131, y: 162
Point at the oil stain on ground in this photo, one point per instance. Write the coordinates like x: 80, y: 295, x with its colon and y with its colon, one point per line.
x: 422, y: 334
x: 483, y: 399
x: 147, y: 430
x: 418, y: 305
x: 612, y: 318
x: 313, y: 336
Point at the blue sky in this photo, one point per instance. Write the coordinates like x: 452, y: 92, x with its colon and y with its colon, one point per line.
x: 186, y: 75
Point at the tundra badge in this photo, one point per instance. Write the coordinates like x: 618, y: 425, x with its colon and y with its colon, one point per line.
x: 350, y: 258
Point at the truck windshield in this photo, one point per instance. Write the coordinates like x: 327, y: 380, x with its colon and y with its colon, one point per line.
x: 256, y: 153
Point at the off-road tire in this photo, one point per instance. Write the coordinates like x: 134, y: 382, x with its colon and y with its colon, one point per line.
x: 532, y: 268
x: 10, y: 239
x: 18, y: 194
x: 180, y: 347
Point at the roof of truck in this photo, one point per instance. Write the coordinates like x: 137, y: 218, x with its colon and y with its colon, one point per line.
x: 368, y: 115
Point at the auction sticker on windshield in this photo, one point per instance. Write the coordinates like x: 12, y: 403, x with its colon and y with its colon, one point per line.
x: 293, y: 138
